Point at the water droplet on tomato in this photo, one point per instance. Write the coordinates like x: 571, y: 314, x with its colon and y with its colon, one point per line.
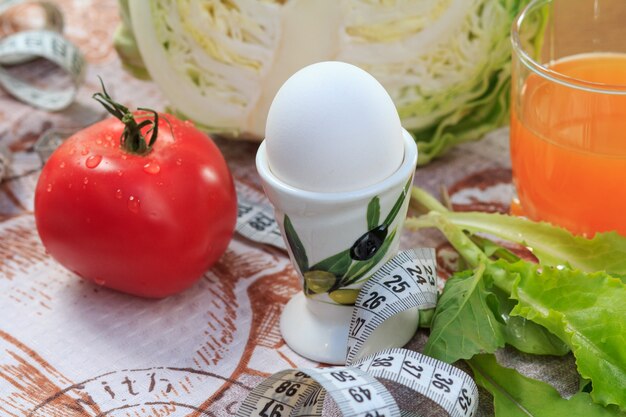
x: 179, y: 162
x: 120, y: 173
x: 99, y: 281
x: 62, y: 165
x: 152, y: 168
x: 188, y: 123
x: 93, y: 161
x: 85, y: 151
x: 133, y: 204
x: 118, y: 194
x: 124, y: 157
x: 98, y: 141
x: 72, y: 151
x: 49, y: 187
x: 85, y: 180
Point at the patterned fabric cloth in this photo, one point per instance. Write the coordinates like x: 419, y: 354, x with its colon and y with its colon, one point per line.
x: 70, y: 348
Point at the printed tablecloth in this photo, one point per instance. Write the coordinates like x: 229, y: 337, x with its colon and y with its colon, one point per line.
x: 70, y: 348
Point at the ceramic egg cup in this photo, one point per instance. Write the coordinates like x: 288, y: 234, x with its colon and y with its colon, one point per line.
x: 336, y: 241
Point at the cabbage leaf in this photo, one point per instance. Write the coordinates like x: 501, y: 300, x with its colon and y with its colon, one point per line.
x: 445, y: 63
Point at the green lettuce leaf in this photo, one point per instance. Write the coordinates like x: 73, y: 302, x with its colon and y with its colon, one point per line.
x: 525, y: 335
x: 471, y: 317
x: 587, y: 311
x: 552, y: 245
x: 518, y: 396
x: 463, y: 324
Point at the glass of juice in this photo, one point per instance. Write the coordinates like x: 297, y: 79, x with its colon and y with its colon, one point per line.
x: 568, y: 113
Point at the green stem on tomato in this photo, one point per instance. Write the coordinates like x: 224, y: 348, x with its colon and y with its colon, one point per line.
x: 132, y: 140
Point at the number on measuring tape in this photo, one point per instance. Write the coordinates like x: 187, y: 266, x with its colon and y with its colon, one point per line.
x: 355, y: 392
x: 442, y: 383
x: 255, y: 220
x: 374, y: 301
x: 385, y: 361
x: 272, y: 409
x: 396, y: 284
x: 412, y: 369
x: 406, y: 281
x: 448, y: 386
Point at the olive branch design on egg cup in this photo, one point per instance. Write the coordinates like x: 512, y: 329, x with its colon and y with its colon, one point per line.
x: 351, y: 265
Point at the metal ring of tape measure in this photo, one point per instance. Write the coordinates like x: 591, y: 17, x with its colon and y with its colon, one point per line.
x: 24, y: 46
x: 407, y: 280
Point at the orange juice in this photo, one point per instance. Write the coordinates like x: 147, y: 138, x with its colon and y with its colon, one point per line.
x: 568, y: 145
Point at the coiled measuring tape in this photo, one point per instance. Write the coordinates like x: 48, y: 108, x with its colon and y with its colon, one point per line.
x: 49, y: 44
x: 406, y: 281
x: 255, y: 217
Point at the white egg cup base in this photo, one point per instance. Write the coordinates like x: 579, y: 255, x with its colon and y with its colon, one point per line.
x: 319, y: 331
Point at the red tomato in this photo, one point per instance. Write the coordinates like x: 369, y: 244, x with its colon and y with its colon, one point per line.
x: 148, y: 225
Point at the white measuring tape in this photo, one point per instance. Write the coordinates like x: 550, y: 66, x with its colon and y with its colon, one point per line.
x: 255, y: 218
x: 49, y: 44
x: 406, y: 281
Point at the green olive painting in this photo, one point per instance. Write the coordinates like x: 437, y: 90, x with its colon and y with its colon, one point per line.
x: 353, y: 264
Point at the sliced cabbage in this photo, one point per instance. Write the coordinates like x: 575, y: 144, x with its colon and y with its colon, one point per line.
x: 220, y: 62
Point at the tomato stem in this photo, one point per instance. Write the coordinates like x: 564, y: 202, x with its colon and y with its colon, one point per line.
x: 132, y: 140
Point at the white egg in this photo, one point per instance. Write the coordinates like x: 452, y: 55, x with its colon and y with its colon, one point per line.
x: 333, y: 128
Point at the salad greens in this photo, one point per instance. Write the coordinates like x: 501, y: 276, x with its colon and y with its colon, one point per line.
x: 464, y: 305
x: 552, y: 245
x: 551, y: 306
x: 518, y: 396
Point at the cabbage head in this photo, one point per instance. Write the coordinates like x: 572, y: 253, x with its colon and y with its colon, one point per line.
x: 445, y: 63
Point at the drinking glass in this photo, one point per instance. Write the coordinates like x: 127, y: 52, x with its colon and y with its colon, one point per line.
x: 568, y: 113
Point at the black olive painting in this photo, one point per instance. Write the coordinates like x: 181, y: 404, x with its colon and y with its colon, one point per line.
x: 353, y: 264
